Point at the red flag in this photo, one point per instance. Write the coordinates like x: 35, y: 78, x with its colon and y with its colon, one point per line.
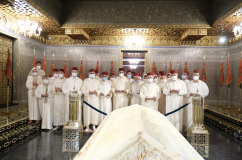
x: 66, y: 71
x: 112, y: 68
x: 154, y: 69
x: 185, y: 69
x: 98, y: 68
x: 203, y: 78
x: 81, y: 76
x: 44, y: 67
x: 51, y: 69
x: 229, y: 75
x: 240, y: 73
x: 170, y: 68
x: 8, y: 69
x: 221, y: 78
x: 34, y: 61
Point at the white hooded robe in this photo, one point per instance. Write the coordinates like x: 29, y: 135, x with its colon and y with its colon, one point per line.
x: 46, y: 106
x: 150, y: 90
x: 34, y: 109
x: 174, y: 101
x: 90, y: 115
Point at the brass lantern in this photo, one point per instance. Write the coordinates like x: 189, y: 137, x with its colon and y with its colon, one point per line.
x: 198, y: 112
x: 72, y: 131
x: 197, y: 134
x: 73, y: 109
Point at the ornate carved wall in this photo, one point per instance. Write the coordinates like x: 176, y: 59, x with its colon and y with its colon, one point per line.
x: 5, y: 44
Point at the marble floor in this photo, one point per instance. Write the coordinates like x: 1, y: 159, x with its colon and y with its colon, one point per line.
x: 47, y: 145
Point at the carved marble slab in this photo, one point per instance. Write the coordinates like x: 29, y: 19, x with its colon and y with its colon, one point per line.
x: 137, y: 132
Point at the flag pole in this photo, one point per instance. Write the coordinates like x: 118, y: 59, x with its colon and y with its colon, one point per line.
x: 8, y: 90
x: 221, y: 89
x: 8, y: 96
x: 221, y: 95
x: 229, y: 89
x: 7, y: 112
x: 240, y: 98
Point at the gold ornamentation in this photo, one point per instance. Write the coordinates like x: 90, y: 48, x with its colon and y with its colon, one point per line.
x: 210, y: 41
x: 77, y: 33
x: 194, y: 34
x: 149, y: 40
x: 5, y: 43
x: 8, y: 22
x: 120, y: 41
x: 29, y: 10
x: 65, y: 40
x: 135, y: 31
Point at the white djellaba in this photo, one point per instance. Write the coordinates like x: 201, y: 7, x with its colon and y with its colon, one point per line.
x: 150, y: 93
x: 148, y: 135
x: 46, y: 103
x: 60, y: 108
x: 34, y: 110
x: 193, y: 87
x: 105, y: 100
x: 90, y: 116
x: 120, y: 99
x: 41, y: 73
x: 174, y: 100
x: 150, y: 90
x: 162, y: 101
x: 135, y: 89
x: 70, y: 84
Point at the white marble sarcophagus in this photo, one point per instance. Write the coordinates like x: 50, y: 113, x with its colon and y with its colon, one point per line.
x: 134, y: 133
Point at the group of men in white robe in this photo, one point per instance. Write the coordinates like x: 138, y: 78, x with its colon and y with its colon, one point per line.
x: 164, y: 93
x: 41, y: 93
x: 167, y: 94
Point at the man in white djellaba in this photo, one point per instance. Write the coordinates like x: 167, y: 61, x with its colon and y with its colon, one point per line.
x: 45, y: 93
x: 129, y: 76
x: 120, y: 89
x: 150, y: 93
x: 97, y: 75
x: 60, y: 108
x: 135, y: 90
x: 105, y: 96
x: 193, y: 87
x: 32, y: 83
x: 174, y: 90
x: 162, y: 101
x: 40, y: 72
x: 91, y: 89
x: 74, y: 83
x: 55, y: 76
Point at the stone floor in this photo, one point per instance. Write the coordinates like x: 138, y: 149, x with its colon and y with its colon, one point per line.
x: 47, y: 145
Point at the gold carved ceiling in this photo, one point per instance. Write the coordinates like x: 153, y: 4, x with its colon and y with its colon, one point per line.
x: 227, y: 21
x: 135, y: 31
x: 29, y: 10
x: 23, y: 10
